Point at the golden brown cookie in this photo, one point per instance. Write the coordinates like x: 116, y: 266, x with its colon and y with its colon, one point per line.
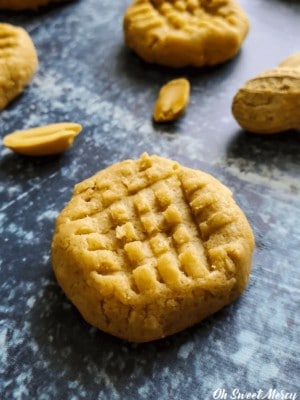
x: 25, y: 4
x: 178, y: 33
x: 18, y: 62
x: 146, y: 248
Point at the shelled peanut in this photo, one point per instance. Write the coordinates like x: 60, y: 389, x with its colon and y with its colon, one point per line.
x: 172, y: 100
x: 43, y: 140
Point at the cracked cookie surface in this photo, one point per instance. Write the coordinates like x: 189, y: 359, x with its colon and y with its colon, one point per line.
x: 146, y: 248
x: 18, y: 62
x: 178, y: 33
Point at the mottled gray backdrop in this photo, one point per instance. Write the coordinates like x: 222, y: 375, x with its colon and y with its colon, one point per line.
x: 86, y: 75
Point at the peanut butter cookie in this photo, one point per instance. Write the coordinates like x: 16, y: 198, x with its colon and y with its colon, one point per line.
x: 18, y: 62
x: 146, y: 248
x: 178, y: 33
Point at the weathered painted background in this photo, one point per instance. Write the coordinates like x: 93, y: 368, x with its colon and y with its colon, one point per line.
x: 86, y: 75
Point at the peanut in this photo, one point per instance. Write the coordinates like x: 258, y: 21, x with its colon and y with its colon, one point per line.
x: 270, y: 102
x: 172, y: 100
x: 43, y: 140
x: 292, y: 61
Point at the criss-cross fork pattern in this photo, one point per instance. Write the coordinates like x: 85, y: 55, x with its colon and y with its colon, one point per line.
x: 186, y: 15
x: 8, y: 41
x: 148, y: 226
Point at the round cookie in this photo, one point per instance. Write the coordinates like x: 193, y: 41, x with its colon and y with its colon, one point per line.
x: 147, y: 247
x: 25, y: 4
x: 179, y: 33
x: 18, y: 62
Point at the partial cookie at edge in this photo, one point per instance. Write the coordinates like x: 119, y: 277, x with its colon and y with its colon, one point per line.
x: 18, y: 62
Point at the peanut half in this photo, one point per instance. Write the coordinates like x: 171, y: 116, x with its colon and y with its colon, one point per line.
x: 43, y: 140
x: 172, y: 100
x: 270, y: 102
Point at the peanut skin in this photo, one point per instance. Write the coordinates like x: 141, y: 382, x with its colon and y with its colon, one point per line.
x: 270, y: 102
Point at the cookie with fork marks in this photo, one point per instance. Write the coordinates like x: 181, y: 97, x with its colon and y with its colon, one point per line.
x: 146, y: 248
x: 178, y: 33
x: 18, y: 62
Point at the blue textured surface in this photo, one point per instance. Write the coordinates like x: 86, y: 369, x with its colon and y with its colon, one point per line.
x: 86, y: 75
